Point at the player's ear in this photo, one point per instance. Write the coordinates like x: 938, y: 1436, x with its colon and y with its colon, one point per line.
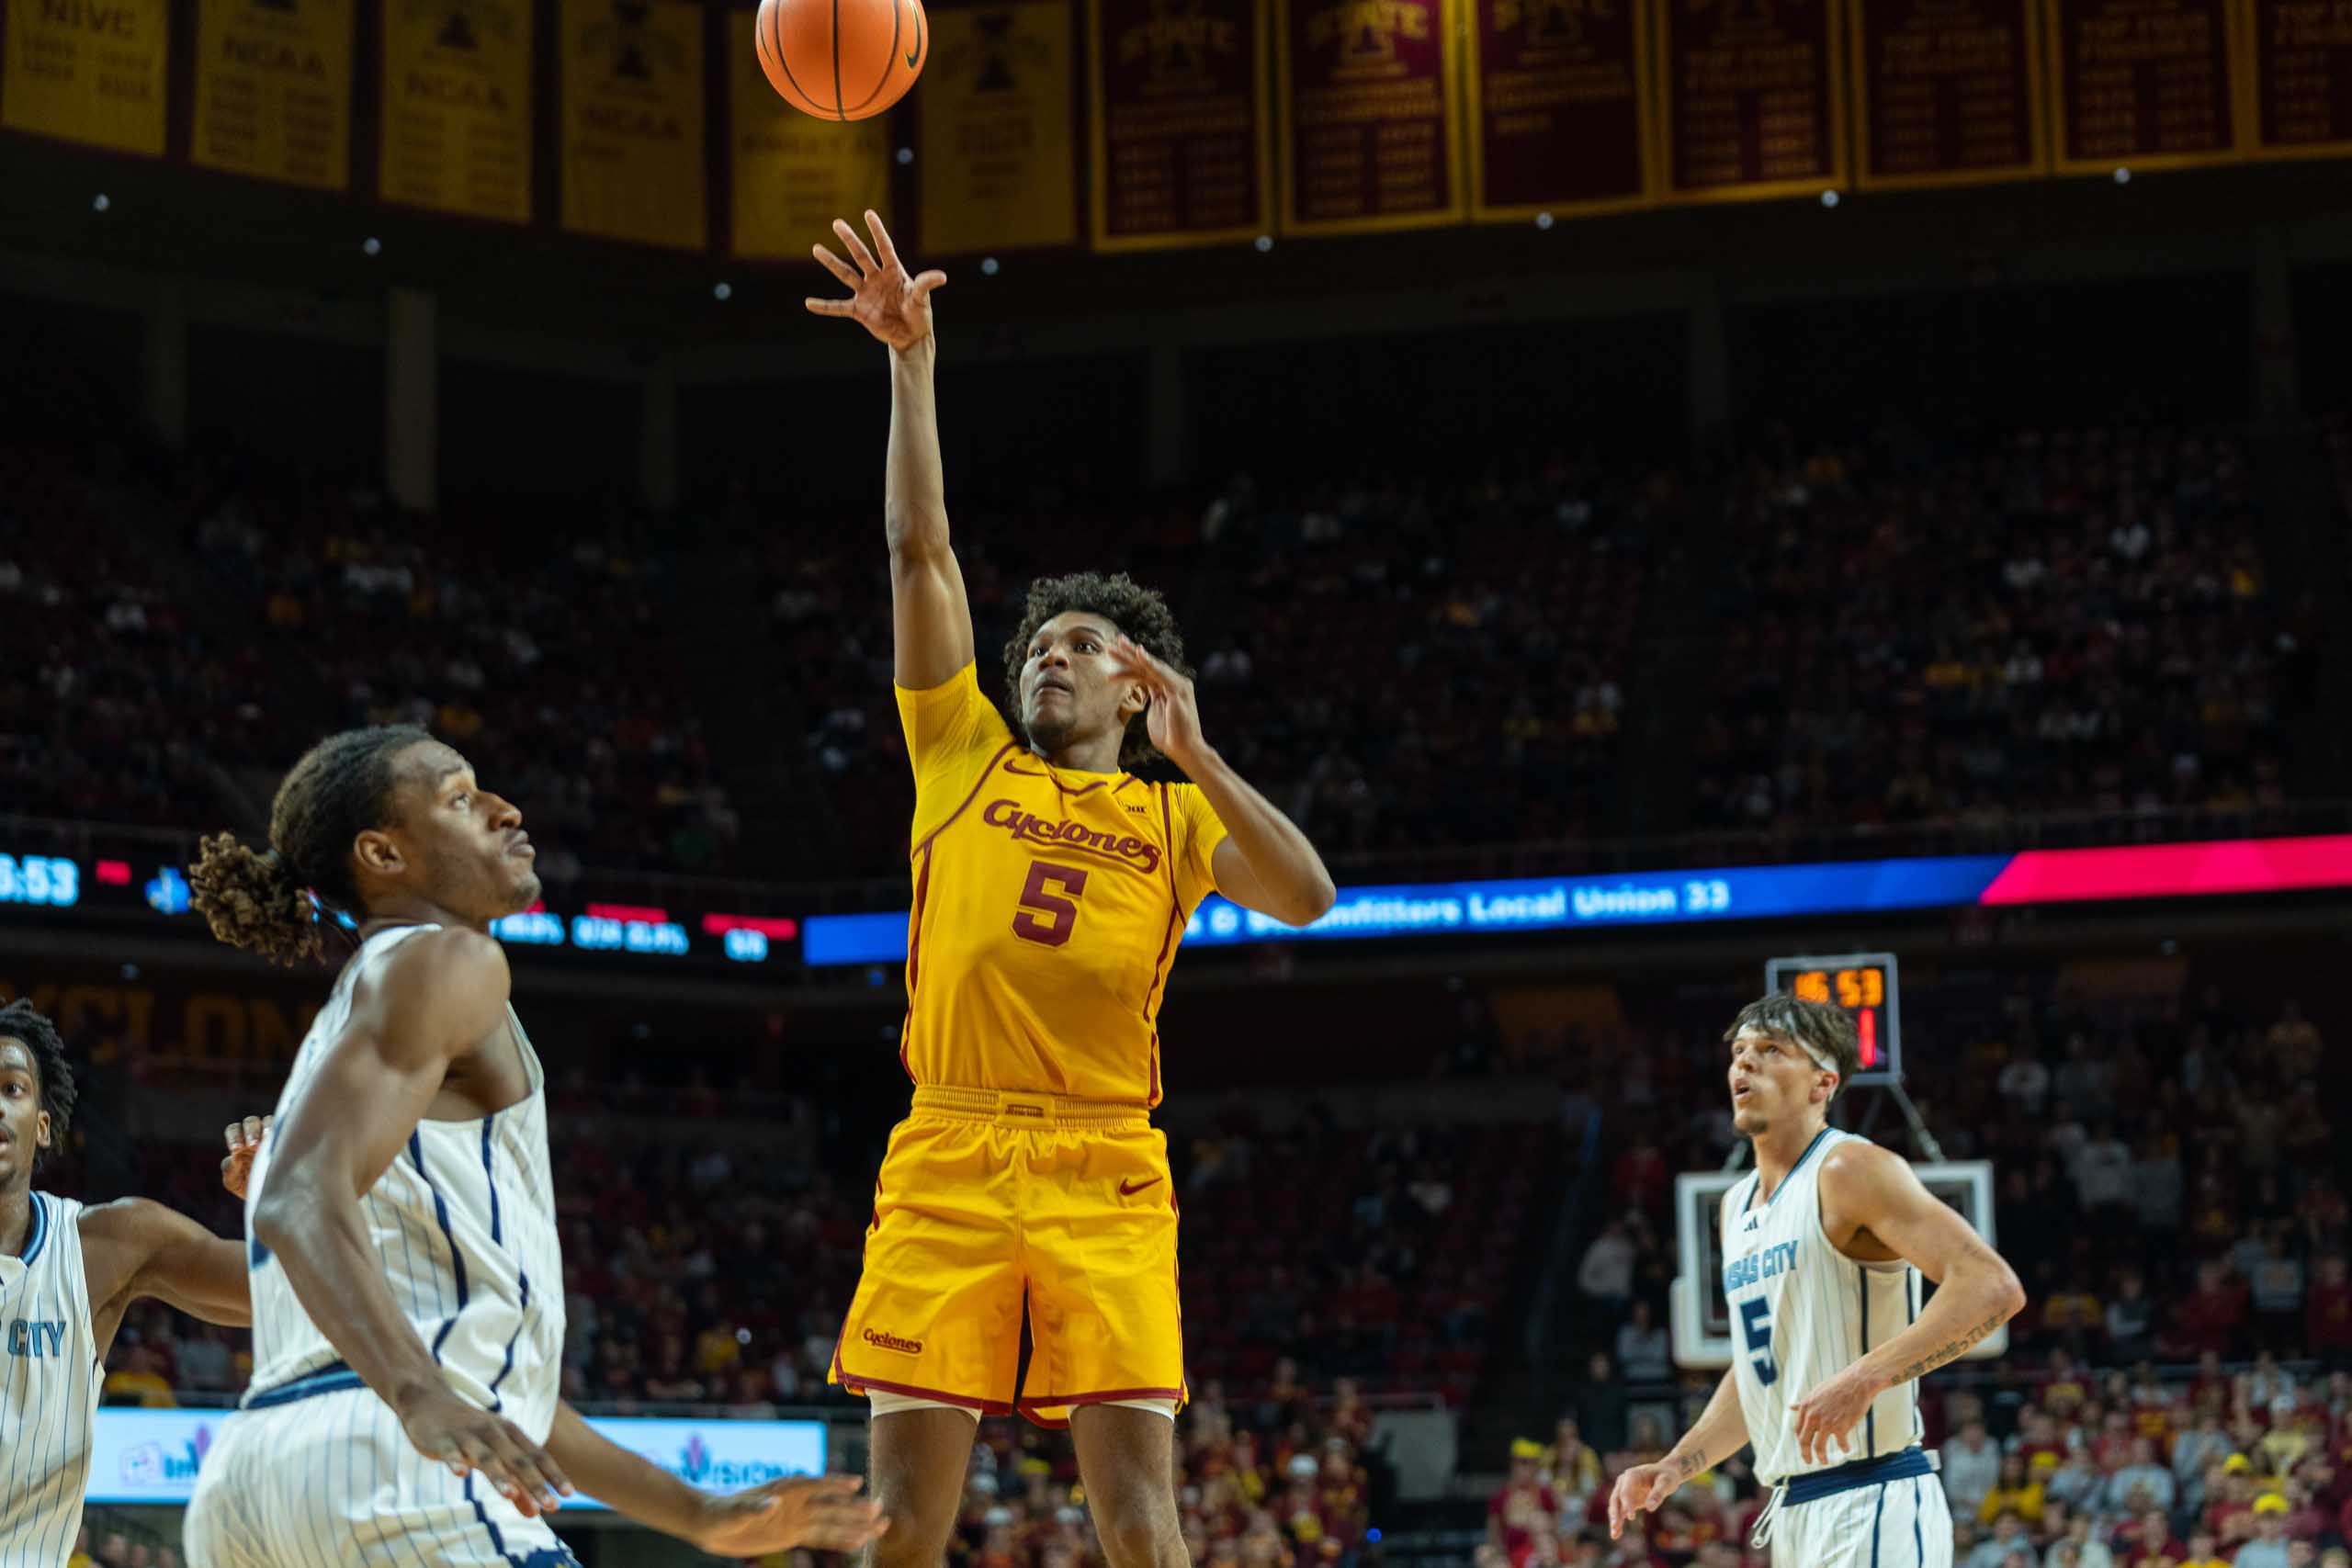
x: 375, y: 851
x: 41, y: 1138
x: 1132, y: 702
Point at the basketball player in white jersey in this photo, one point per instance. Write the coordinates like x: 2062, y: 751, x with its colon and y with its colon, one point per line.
x: 1823, y: 1246
x: 407, y: 1284
x: 67, y: 1274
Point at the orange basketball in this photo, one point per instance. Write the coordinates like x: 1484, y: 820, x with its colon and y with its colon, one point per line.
x: 842, y: 59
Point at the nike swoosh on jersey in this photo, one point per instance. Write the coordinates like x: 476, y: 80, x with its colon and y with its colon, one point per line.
x: 1129, y: 1189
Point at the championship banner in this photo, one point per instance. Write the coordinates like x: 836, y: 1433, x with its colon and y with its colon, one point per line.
x: 2300, y: 79
x: 2142, y: 83
x: 456, y: 116
x: 1561, y: 107
x: 632, y: 151
x: 272, y: 90
x: 1946, y: 92
x: 1183, y: 131
x: 995, y: 131
x: 89, y: 71
x: 1754, y: 103
x: 792, y: 172
x: 1372, y: 128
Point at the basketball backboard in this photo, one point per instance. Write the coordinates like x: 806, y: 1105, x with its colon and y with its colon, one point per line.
x: 1701, y: 1324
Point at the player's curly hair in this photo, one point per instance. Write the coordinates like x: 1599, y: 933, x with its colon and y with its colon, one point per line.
x: 1141, y: 613
x: 19, y: 1020
x: 278, y: 902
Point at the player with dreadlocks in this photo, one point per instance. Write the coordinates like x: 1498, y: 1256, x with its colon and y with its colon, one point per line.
x: 1050, y: 888
x: 407, y: 1281
x: 67, y: 1274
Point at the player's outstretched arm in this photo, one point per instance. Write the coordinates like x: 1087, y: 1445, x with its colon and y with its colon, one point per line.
x: 822, y: 1512
x: 135, y: 1250
x: 1264, y: 863
x: 1869, y: 1193
x: 1720, y: 1432
x: 931, y: 620
x: 430, y: 1002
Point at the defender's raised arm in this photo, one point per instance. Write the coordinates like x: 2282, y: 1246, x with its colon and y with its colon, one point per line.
x: 931, y: 621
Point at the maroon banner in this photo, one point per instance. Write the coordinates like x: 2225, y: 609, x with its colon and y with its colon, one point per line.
x: 1372, y: 128
x: 1561, y: 108
x: 2302, y: 79
x: 1183, y: 134
x: 1946, y: 92
x: 2140, y: 83
x: 1753, y: 100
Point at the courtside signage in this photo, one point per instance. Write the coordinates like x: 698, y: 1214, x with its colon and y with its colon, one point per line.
x: 154, y: 1456
x: 1740, y: 893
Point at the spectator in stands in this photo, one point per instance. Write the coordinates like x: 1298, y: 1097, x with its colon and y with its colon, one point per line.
x: 1601, y: 1406
x: 1522, y: 1505
x: 2139, y: 1485
x: 2203, y: 1552
x: 2269, y: 1547
x: 2077, y: 1480
x: 2089, y: 1551
x: 2008, y: 1544
x: 2194, y: 1453
x: 1641, y: 1348
x: 1606, y: 1275
x: 138, y: 1376
x: 2015, y: 1493
x: 1571, y: 1468
x: 2131, y: 1319
x: 2147, y: 1534
x: 1971, y: 1467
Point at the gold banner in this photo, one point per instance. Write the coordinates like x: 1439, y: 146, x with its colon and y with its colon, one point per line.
x: 272, y: 90
x: 633, y: 122
x: 995, y: 145
x: 87, y: 71
x: 794, y: 174
x: 456, y: 119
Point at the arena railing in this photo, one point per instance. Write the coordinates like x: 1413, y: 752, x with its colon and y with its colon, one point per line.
x: 145, y: 847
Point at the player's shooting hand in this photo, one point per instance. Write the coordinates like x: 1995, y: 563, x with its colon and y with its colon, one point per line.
x: 883, y: 298
x: 823, y: 1513
x: 1639, y: 1490
x: 1828, y: 1414
x: 1173, y: 719
x: 468, y: 1439
x: 244, y: 1142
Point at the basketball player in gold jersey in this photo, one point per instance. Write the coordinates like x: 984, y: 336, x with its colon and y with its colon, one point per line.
x: 1050, y: 889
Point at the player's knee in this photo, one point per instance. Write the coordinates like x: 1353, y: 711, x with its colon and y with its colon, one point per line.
x: 922, y: 1516
x: 916, y: 1538
x: 1137, y: 1528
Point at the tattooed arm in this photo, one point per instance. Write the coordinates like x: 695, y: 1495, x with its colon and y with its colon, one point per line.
x: 1873, y: 1209
x: 1720, y: 1432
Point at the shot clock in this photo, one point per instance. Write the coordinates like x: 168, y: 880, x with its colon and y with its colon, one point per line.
x: 1863, y: 984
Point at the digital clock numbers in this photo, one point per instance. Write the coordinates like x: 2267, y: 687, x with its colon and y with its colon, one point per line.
x: 1862, y: 984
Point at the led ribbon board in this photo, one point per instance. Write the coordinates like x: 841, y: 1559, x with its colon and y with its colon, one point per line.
x: 1740, y: 893
x: 154, y: 1456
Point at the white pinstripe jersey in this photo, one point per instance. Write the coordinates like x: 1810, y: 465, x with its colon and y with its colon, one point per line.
x: 49, y: 1388
x: 1802, y: 1311
x: 464, y: 1220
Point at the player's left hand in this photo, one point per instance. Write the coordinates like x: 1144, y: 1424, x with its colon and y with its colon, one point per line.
x: 1831, y: 1411
x: 1173, y: 719
x: 244, y: 1142
x: 821, y: 1512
